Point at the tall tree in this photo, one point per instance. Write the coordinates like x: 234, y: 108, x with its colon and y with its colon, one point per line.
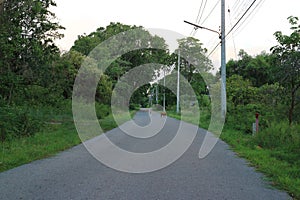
x: 195, y: 60
x: 258, y: 69
x: 288, y: 55
x: 27, y: 35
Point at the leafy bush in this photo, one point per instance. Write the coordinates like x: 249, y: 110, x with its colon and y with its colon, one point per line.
x: 134, y: 106
x: 17, y: 122
x: 36, y: 95
x: 281, y: 136
x: 242, y: 116
x: 102, y: 110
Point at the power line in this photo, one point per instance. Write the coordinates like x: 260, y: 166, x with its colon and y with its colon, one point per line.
x: 234, y: 46
x: 211, y: 12
x: 240, y: 9
x: 202, y: 12
x: 199, y: 12
x: 212, y: 51
x: 198, y: 15
x: 256, y: 8
x: 236, y: 4
x: 234, y: 26
x: 195, y: 29
x: 241, y: 17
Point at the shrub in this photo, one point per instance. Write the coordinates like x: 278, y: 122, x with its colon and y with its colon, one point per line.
x: 280, y: 136
x: 38, y: 95
x: 241, y: 117
x: 17, y: 122
x: 134, y: 106
x: 102, y: 110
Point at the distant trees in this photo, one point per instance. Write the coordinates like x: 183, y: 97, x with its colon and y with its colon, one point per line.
x: 85, y: 44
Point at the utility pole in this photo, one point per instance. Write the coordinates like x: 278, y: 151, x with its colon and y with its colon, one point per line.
x: 223, y: 61
x: 178, y: 84
x: 222, y: 36
x: 164, y: 103
x: 156, y: 98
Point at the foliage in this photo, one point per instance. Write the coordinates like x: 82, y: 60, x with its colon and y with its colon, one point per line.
x: 280, y: 136
x: 17, y: 122
x: 280, y: 165
x: 27, y: 38
x: 102, y: 110
x: 288, y: 55
x: 193, y: 59
x: 259, y: 70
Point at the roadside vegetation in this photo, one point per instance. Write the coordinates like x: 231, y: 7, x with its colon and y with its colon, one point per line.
x: 37, y: 86
x: 267, y: 84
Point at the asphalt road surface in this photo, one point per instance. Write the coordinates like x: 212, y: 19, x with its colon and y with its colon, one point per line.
x: 76, y: 174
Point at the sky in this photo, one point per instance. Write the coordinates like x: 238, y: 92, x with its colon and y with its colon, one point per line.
x: 254, y: 33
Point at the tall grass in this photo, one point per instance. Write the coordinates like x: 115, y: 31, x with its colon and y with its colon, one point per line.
x: 280, y: 136
x: 58, y: 133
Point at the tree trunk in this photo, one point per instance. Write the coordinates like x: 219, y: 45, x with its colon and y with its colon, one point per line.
x: 1, y: 6
x: 292, y: 106
x: 1, y: 11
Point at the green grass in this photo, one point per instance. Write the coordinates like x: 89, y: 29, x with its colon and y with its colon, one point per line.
x: 274, y: 163
x: 52, y: 139
x: 204, y: 118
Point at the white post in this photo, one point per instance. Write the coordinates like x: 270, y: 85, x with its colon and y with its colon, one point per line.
x: 178, y: 84
x: 164, y: 103
x: 156, y: 98
x: 223, y: 61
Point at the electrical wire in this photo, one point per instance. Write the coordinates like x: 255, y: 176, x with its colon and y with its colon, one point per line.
x: 235, y: 25
x: 199, y: 11
x: 235, y: 4
x: 198, y: 15
x: 212, y: 51
x: 240, y: 9
x: 241, y: 18
x: 202, y: 12
x: 209, y: 14
x: 232, y: 34
x: 255, y: 9
x: 194, y: 31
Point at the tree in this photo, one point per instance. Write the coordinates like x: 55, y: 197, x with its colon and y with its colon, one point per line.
x: 194, y: 60
x: 155, y: 52
x: 27, y: 35
x: 288, y: 55
x: 258, y: 69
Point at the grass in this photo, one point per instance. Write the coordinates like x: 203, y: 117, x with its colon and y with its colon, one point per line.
x: 204, y: 118
x: 54, y: 138
x: 274, y: 163
x: 280, y: 165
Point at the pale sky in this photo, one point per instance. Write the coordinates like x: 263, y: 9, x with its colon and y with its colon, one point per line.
x: 254, y: 36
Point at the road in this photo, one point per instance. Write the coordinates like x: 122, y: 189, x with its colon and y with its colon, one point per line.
x: 75, y: 174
